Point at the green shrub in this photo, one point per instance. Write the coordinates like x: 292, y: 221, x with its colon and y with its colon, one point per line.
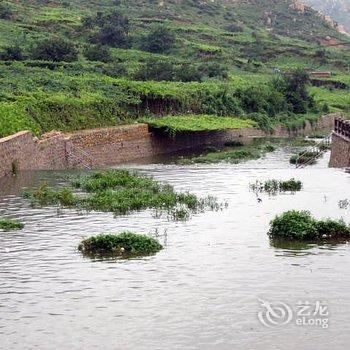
x: 10, y: 225
x: 159, y: 40
x: 108, y: 28
x: 301, y: 226
x: 126, y: 244
x: 55, y: 49
x: 12, y: 53
x: 332, y: 229
x: 294, y: 225
x: 98, y: 53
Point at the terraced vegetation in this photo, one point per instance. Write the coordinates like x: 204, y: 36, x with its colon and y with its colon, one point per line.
x: 72, y: 65
x: 195, y: 123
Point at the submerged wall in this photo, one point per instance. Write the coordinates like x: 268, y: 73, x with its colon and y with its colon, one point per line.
x: 109, y: 146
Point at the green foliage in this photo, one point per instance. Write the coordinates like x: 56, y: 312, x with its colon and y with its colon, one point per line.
x: 6, y: 11
x: 301, y: 226
x: 224, y: 45
x: 125, y: 245
x: 55, y: 49
x: 10, y: 225
x: 12, y: 53
x: 276, y: 186
x: 98, y: 53
x: 234, y: 156
x: 120, y: 192
x: 195, y: 123
x: 110, y: 28
x: 160, y: 40
x: 294, y: 88
x: 304, y: 157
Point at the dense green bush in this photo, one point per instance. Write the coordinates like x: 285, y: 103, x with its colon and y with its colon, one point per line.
x: 12, y: 53
x: 300, y: 225
x: 157, y: 70
x: 55, y: 49
x: 110, y: 28
x: 159, y: 40
x: 126, y: 244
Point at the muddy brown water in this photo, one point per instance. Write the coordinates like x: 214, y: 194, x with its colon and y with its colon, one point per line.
x: 203, y: 291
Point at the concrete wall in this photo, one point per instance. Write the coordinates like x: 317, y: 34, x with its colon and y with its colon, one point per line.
x: 109, y: 146
x: 340, y: 155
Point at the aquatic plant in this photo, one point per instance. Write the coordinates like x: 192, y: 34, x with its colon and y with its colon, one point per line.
x: 304, y: 157
x: 46, y: 195
x: 120, y: 192
x: 125, y: 244
x: 301, y: 226
x: 276, y: 186
x: 234, y: 155
x: 10, y: 225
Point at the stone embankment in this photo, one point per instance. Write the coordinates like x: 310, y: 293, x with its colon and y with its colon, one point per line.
x: 340, y: 155
x: 109, y: 146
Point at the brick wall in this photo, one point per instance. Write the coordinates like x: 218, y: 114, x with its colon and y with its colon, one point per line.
x: 109, y: 146
x: 340, y: 155
x: 25, y: 152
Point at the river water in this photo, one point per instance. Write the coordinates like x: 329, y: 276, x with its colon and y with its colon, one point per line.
x: 203, y: 291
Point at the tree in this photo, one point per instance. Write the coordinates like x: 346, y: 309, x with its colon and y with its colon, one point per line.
x: 294, y: 87
x: 111, y: 29
x: 159, y: 40
x: 55, y: 49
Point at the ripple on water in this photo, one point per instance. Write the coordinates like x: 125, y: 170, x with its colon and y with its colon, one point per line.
x: 201, y: 291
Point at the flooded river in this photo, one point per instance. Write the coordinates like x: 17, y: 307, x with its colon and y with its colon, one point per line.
x: 203, y: 291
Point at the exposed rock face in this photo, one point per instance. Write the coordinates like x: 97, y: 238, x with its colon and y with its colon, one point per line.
x: 336, y: 10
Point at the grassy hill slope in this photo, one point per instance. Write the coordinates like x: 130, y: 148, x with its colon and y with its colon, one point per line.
x: 78, y: 64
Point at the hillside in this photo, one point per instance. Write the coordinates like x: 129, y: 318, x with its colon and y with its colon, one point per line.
x: 339, y: 10
x: 78, y: 64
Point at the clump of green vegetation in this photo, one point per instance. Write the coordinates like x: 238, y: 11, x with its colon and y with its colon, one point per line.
x: 124, y: 245
x: 121, y: 192
x: 233, y: 156
x: 195, y: 123
x: 317, y: 135
x: 301, y: 226
x: 304, y: 157
x: 10, y: 225
x: 276, y: 186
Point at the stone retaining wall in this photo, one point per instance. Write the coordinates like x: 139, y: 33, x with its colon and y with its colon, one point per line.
x: 340, y: 155
x: 109, y: 146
